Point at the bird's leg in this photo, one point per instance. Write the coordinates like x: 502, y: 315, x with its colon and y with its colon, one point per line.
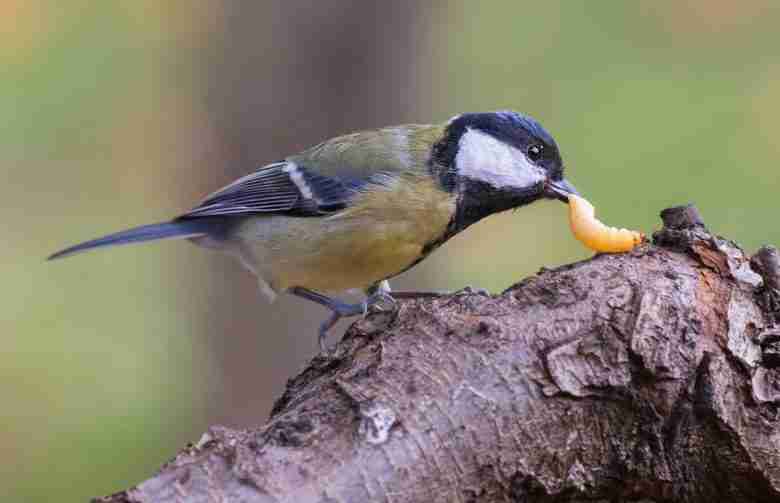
x: 378, y: 294
x: 340, y: 309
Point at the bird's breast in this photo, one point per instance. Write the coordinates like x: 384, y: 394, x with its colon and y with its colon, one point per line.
x: 383, y: 232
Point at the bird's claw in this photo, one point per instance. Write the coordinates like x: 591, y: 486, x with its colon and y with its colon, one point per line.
x: 379, y: 299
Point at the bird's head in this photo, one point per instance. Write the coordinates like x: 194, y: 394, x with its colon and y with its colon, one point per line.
x: 497, y: 161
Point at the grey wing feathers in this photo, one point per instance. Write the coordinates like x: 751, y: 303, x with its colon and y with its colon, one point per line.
x: 282, y: 187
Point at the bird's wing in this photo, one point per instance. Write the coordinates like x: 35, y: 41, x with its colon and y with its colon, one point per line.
x: 282, y: 187
x: 320, y: 180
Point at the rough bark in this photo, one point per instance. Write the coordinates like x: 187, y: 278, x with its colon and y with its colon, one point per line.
x: 647, y: 376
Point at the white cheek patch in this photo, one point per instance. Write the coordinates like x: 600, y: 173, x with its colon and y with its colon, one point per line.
x: 486, y: 159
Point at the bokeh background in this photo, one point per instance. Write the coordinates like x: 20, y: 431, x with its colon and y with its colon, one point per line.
x: 119, y: 113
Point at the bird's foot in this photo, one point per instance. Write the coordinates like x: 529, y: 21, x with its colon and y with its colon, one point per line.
x: 379, y: 299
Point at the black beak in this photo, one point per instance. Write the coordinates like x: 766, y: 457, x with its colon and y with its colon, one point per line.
x: 560, y: 190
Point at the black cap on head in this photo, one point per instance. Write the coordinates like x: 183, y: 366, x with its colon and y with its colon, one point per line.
x: 512, y: 128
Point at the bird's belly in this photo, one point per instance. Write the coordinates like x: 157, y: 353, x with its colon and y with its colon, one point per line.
x: 355, y: 262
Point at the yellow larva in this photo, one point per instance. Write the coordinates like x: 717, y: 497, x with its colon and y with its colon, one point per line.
x: 594, y: 234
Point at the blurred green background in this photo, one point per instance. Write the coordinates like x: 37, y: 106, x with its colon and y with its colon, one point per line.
x: 115, y: 114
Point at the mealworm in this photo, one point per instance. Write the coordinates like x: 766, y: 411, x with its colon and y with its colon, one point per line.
x: 595, y: 235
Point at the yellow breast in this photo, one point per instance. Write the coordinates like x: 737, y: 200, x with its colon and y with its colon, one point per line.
x: 381, y: 234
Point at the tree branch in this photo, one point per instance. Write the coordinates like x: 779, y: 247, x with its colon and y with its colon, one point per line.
x: 652, y: 375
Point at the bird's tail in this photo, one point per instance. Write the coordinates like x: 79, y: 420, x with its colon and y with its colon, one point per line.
x: 177, y: 229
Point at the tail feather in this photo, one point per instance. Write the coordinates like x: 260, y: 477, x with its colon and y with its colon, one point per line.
x: 167, y: 230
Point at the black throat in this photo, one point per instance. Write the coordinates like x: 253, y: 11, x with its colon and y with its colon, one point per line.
x: 477, y: 200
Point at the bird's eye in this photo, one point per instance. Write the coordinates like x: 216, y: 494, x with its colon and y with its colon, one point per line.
x: 535, y: 152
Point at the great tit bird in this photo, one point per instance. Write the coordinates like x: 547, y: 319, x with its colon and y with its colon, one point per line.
x: 357, y: 210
